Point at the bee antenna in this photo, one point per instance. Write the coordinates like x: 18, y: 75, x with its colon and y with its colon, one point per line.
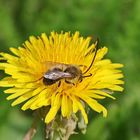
x: 96, y: 48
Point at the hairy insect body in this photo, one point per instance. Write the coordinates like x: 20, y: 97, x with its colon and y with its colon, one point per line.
x: 70, y: 73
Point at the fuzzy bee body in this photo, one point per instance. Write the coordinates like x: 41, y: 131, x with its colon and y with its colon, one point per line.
x: 70, y: 73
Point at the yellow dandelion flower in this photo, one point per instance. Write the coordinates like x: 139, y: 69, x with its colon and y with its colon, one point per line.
x: 64, y: 72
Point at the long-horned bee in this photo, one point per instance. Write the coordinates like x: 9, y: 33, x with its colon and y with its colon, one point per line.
x: 71, y: 74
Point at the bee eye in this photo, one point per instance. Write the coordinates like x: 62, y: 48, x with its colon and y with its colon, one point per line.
x: 48, y: 81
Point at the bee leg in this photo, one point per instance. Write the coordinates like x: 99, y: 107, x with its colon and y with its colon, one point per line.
x: 59, y: 83
x: 81, y: 80
x: 87, y: 75
x: 69, y: 82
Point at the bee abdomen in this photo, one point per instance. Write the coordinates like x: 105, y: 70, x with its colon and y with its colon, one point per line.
x: 48, y: 81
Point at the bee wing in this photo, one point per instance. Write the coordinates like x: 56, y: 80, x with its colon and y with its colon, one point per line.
x: 57, y: 75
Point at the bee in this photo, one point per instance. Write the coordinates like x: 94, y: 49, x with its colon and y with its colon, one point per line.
x: 70, y: 73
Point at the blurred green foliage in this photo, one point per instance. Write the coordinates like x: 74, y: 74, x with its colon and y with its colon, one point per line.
x: 115, y: 22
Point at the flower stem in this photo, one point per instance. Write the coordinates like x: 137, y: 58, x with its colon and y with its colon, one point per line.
x: 32, y: 131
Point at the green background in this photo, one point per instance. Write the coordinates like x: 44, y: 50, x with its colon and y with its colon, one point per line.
x: 115, y: 22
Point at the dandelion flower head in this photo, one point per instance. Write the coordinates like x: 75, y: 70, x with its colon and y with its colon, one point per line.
x: 27, y: 66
